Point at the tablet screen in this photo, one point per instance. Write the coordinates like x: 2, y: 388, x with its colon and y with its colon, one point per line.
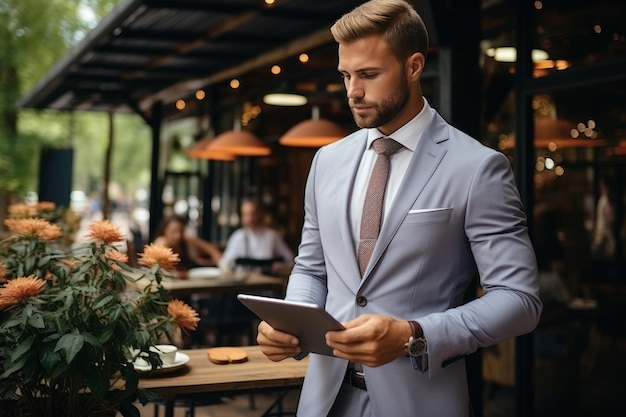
x: 306, y: 321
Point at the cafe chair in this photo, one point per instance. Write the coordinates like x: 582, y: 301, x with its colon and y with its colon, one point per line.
x: 224, y: 320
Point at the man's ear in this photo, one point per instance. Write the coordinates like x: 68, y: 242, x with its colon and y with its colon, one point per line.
x: 415, y: 65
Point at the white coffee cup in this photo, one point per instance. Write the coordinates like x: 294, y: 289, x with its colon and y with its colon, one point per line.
x: 167, y: 353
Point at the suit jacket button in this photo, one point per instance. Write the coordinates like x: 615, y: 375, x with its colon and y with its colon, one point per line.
x: 361, y: 301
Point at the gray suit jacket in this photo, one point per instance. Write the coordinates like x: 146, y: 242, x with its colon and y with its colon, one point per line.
x: 456, y: 214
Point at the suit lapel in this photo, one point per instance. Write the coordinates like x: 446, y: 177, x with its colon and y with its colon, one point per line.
x: 352, y: 150
x: 426, y: 159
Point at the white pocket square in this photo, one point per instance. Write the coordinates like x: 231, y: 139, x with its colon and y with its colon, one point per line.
x: 430, y: 210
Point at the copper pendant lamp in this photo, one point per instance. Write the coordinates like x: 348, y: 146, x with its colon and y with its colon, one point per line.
x: 200, y: 151
x: 239, y: 143
x: 312, y: 133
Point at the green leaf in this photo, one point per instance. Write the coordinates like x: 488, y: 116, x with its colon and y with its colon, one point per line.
x: 16, y: 366
x: 28, y: 310
x: 71, y: 344
x: 22, y: 348
x: 103, y: 302
x: 37, y: 321
x: 116, y: 314
x: 44, y: 261
x: 29, y: 264
x: 106, y: 334
x: 51, y: 360
x: 92, y: 340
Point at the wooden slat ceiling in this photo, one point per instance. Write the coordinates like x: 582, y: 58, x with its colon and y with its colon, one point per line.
x: 148, y: 50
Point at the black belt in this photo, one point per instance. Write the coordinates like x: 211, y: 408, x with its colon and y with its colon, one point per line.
x: 355, y: 377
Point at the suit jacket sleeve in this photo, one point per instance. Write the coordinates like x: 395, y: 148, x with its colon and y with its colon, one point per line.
x: 495, y: 226
x: 307, y: 282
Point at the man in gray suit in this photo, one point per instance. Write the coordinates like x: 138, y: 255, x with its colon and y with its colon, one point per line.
x: 451, y: 211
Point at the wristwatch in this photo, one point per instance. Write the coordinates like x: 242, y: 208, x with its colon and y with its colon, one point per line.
x: 416, y: 346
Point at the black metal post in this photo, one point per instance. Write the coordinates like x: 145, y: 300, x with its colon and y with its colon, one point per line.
x: 156, y: 201
x: 523, y: 164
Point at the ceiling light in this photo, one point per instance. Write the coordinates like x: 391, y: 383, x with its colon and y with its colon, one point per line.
x: 313, y: 133
x: 200, y: 150
x: 239, y: 143
x: 509, y: 54
x: 284, y: 99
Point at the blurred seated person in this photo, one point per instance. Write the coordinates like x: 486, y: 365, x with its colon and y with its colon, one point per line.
x: 192, y: 250
x: 255, y: 246
x: 552, y: 290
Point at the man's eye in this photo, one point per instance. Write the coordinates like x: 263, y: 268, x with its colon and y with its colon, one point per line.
x: 368, y: 75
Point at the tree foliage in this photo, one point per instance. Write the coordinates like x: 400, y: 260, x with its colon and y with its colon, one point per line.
x: 34, y: 36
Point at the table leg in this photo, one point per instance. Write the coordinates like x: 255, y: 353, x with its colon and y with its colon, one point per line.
x: 169, y: 408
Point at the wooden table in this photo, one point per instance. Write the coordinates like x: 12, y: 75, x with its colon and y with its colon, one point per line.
x: 201, y: 376
x: 184, y: 288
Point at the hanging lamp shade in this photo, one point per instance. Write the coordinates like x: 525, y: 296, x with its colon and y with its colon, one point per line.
x: 200, y: 150
x: 312, y: 133
x: 239, y: 143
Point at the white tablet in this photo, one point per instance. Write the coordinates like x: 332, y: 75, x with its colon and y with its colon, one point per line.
x: 308, y: 322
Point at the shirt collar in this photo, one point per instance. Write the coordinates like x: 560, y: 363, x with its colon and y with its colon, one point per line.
x: 409, y: 134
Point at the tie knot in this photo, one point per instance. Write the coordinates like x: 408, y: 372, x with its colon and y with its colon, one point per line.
x: 386, y: 146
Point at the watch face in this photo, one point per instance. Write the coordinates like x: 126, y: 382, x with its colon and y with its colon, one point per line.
x: 416, y: 346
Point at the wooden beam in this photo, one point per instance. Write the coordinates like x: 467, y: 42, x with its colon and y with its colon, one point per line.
x: 171, y: 94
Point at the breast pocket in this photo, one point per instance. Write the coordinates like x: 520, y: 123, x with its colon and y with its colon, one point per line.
x: 426, y: 216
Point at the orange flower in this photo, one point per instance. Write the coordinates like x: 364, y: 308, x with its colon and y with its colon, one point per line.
x: 105, y: 231
x: 3, y: 273
x: 20, y: 289
x: 158, y: 255
x: 22, y: 210
x: 70, y: 262
x: 183, y: 315
x: 34, y: 227
x: 45, y: 206
x: 116, y: 256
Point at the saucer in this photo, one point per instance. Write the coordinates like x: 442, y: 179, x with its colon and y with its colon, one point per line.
x: 143, y: 366
x: 204, y: 273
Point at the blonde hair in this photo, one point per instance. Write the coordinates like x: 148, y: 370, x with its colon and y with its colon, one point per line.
x: 401, y: 26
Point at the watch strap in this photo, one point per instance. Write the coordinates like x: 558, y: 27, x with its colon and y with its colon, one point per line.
x: 418, y: 363
x: 415, y: 327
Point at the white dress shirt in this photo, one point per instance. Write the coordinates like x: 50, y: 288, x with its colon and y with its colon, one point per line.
x: 408, y: 135
x: 263, y: 243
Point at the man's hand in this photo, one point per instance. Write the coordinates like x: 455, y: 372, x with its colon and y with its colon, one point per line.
x: 277, y: 345
x: 372, y: 340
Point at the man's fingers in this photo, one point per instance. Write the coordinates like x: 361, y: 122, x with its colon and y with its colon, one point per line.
x: 268, y: 335
x: 277, y: 353
x: 276, y: 345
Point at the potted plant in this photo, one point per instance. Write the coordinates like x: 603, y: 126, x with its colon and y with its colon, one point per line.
x: 70, y: 327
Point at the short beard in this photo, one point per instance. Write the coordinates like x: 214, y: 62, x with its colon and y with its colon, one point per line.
x: 387, y: 110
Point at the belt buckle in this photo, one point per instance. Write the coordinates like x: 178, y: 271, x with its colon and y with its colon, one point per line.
x: 357, y: 379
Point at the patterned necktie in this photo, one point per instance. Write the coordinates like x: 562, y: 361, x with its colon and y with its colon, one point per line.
x: 371, y: 217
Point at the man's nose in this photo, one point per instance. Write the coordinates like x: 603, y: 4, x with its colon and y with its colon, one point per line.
x: 354, y: 89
